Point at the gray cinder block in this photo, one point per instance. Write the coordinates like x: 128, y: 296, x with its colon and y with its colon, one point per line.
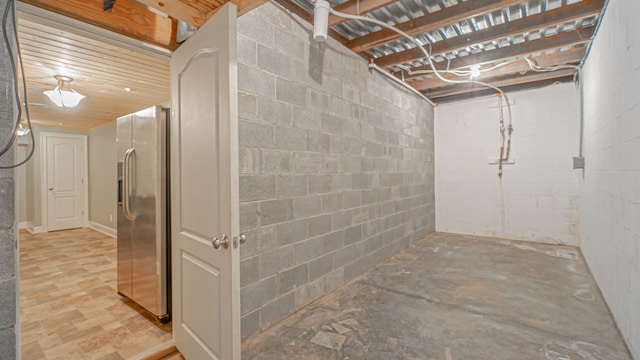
x: 257, y: 294
x: 291, y: 185
x: 290, y: 92
x: 275, y: 211
x: 343, y: 177
x: 307, y: 206
x: 257, y: 187
x: 278, y: 309
x: 292, y: 278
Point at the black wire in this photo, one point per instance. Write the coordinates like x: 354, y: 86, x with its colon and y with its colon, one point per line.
x: 9, y: 8
x: 5, y: 17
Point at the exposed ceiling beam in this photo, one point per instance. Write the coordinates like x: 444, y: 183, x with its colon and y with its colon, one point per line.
x: 177, y: 10
x: 565, y: 14
x: 508, y: 89
x: 127, y: 17
x: 355, y: 7
x: 509, y: 80
x: 244, y: 6
x: 430, y: 22
x: 523, y: 49
x: 562, y: 57
x: 519, y: 66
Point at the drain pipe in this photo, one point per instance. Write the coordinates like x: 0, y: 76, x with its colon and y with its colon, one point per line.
x: 373, y: 66
x: 578, y: 161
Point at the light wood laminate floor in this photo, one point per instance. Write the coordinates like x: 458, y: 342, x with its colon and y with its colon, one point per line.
x: 69, y: 307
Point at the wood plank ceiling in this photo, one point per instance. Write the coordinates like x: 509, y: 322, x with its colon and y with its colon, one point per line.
x: 100, y: 71
x: 495, y: 35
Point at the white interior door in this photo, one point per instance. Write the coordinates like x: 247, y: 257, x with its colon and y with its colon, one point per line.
x: 65, y: 181
x: 204, y: 191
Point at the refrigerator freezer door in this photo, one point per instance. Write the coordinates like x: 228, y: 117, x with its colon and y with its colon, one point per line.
x: 148, y: 207
x: 123, y: 140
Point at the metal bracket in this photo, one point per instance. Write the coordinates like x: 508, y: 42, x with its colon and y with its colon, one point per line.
x: 108, y: 5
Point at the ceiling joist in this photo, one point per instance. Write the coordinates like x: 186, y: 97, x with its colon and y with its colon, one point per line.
x: 500, y: 82
x: 127, y: 17
x: 177, y: 10
x: 577, y: 11
x: 430, y: 22
x: 569, y: 38
x: 572, y: 56
x: 356, y: 7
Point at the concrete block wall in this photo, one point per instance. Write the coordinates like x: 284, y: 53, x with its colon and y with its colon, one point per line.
x: 8, y: 221
x: 537, y: 197
x: 336, y: 166
x: 610, y: 191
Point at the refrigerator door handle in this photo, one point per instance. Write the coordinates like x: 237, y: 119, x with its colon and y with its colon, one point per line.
x: 126, y: 184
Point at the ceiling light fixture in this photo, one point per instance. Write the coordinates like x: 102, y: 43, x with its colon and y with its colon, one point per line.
x: 63, y: 95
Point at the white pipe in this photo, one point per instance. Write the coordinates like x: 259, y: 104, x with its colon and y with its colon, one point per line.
x: 409, y: 87
x: 321, y: 20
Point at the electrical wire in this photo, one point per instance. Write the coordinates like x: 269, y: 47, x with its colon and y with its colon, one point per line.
x: 455, y: 72
x: 9, y: 12
x: 427, y: 55
x: 400, y: 82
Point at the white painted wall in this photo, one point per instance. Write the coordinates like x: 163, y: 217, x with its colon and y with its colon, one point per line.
x: 103, y: 176
x: 610, y: 192
x: 21, y: 184
x: 537, y: 197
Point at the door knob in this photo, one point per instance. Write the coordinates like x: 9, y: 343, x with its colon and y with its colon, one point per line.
x: 243, y: 239
x: 50, y: 188
x: 218, y: 243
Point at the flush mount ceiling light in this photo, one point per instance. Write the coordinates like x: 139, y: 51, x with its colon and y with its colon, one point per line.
x: 63, y: 95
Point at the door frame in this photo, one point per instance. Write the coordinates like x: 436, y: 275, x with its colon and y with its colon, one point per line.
x: 44, y: 199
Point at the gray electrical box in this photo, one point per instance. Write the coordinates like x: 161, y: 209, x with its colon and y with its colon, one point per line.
x: 578, y: 162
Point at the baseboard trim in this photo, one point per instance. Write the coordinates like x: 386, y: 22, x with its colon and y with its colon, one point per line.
x: 103, y: 229
x: 22, y: 225
x: 34, y: 229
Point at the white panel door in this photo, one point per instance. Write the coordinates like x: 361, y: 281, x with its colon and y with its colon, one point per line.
x: 204, y: 191
x: 65, y: 160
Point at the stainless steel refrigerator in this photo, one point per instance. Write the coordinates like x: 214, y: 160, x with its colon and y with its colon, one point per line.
x: 143, y: 240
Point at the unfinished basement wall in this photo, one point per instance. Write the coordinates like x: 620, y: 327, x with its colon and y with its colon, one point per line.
x: 537, y: 197
x: 610, y: 192
x: 9, y: 330
x: 336, y: 166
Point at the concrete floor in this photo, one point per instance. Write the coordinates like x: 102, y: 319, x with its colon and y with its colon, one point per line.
x: 455, y: 297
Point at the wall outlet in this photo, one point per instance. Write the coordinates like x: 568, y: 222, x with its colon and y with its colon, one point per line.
x: 110, y: 218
